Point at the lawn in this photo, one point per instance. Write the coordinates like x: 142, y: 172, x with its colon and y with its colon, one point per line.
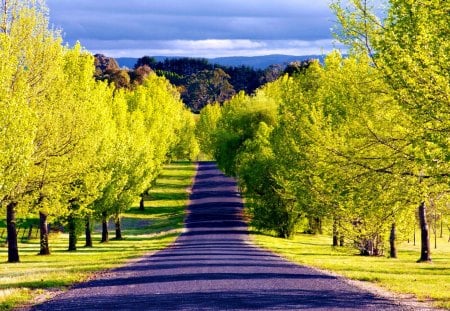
x: 144, y: 231
x: 403, y: 275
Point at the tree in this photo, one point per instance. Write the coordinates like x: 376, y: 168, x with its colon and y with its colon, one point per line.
x: 186, y: 146
x: 272, y: 73
x: 140, y: 74
x: 297, y: 67
x: 206, y: 87
x: 206, y: 125
x: 410, y: 50
x: 29, y: 54
x: 247, y: 79
x: 147, y: 121
x: 145, y: 61
x: 415, y: 62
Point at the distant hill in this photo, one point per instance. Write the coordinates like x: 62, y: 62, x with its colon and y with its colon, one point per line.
x: 261, y: 62
x: 256, y: 62
x: 128, y: 62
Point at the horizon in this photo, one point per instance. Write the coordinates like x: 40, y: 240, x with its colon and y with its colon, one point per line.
x: 255, y: 62
x: 234, y: 56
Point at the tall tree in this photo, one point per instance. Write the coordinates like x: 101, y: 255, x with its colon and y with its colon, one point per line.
x: 30, y: 54
x: 410, y: 49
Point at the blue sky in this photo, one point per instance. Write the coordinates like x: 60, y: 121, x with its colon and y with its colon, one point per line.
x: 196, y: 28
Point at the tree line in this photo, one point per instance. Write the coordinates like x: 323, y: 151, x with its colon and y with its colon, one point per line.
x: 357, y: 144
x: 74, y: 148
x: 199, y: 82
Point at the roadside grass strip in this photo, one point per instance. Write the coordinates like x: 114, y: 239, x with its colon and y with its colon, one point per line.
x: 37, y: 277
x: 426, y: 281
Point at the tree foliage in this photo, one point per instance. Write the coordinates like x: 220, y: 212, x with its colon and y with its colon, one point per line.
x: 357, y: 142
x: 72, y: 146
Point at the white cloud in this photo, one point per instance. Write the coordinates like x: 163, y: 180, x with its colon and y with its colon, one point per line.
x: 219, y: 48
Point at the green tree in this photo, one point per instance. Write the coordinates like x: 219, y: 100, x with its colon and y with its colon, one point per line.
x: 206, y: 126
x: 186, y: 146
x: 31, y: 55
x: 410, y: 50
x: 148, y: 119
x: 145, y: 61
x: 206, y: 87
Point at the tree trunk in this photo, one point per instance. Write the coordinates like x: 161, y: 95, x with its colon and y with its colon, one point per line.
x: 366, y: 247
x: 435, y: 228
x: 425, y: 253
x: 30, y: 233
x: 392, y: 240
x: 141, y: 203
x: 341, y: 240
x: 118, y: 228
x: 315, y: 225
x: 13, y: 248
x: 105, y: 235
x: 88, y: 232
x: 45, y: 249
x: 335, y: 233
x: 72, y: 234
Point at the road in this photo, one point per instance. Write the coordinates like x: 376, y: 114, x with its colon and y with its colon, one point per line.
x: 213, y: 266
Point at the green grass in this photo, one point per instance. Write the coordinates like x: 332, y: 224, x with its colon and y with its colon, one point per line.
x: 427, y: 281
x: 144, y: 231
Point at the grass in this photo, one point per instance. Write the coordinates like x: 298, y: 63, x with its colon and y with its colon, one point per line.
x: 144, y: 231
x: 427, y: 281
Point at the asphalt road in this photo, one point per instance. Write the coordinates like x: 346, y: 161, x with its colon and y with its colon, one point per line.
x: 213, y: 267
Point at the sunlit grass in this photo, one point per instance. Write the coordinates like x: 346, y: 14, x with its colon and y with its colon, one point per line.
x: 144, y: 231
x: 403, y: 275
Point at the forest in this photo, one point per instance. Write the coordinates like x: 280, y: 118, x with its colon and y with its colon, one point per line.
x: 199, y: 82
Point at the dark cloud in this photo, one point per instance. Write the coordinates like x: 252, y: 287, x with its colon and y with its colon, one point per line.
x: 101, y: 23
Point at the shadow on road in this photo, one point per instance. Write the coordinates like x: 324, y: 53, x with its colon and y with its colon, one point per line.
x: 213, y: 267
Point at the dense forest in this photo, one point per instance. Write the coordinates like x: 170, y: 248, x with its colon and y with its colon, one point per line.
x: 198, y: 81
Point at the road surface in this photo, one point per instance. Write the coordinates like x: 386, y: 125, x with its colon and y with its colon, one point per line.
x: 213, y: 266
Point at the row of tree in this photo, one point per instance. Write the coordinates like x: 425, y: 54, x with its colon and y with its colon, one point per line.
x: 73, y: 147
x: 360, y: 143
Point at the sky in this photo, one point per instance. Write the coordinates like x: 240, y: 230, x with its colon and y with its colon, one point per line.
x: 196, y: 28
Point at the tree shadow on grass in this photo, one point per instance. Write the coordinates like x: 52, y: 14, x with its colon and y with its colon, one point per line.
x: 165, y: 196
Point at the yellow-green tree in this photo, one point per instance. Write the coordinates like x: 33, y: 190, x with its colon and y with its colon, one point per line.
x: 31, y: 54
x: 148, y: 119
x: 186, y: 146
x: 206, y: 125
x: 410, y: 49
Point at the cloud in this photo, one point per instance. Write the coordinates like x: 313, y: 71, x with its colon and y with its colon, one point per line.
x: 194, y: 26
x: 217, y: 48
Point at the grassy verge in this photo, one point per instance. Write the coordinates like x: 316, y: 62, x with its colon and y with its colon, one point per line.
x: 403, y: 275
x: 144, y: 231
